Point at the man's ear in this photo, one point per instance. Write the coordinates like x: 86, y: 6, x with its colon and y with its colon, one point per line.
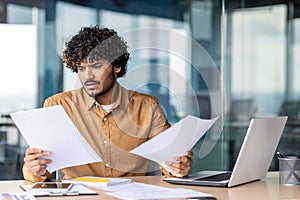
x: 117, y: 69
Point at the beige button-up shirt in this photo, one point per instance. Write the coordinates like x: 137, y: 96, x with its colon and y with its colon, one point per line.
x: 133, y: 119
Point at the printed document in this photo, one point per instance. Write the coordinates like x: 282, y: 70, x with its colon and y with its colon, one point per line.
x: 136, y: 190
x: 174, y: 141
x: 77, y: 189
x: 51, y: 129
x: 16, y: 196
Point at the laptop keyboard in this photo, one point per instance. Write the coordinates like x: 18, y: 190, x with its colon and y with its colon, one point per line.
x: 217, y: 177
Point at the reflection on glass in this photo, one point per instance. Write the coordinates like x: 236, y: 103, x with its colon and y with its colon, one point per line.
x: 18, y: 78
x: 259, y: 50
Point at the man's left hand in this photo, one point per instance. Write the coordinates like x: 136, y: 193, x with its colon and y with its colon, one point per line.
x: 182, y: 164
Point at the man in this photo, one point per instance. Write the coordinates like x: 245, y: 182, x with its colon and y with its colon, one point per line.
x: 112, y: 119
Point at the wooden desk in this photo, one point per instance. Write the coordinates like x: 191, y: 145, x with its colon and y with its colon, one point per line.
x: 266, y: 189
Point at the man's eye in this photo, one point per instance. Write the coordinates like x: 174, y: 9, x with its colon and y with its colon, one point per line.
x: 80, y: 68
x: 97, y: 66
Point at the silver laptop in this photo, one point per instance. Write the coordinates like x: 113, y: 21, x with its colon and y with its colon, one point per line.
x: 253, y: 161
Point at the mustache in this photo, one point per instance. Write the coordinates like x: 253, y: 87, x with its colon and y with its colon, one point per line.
x: 91, y: 82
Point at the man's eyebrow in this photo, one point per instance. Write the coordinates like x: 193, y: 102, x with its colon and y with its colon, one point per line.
x: 96, y: 63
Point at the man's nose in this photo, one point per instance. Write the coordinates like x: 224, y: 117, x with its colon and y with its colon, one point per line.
x: 89, y: 74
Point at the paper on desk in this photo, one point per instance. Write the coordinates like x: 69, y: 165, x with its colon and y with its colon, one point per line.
x: 16, y: 195
x: 76, y: 189
x: 51, y: 129
x: 174, y: 141
x: 145, y: 191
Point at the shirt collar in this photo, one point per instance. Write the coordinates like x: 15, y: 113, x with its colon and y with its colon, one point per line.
x: 121, y: 97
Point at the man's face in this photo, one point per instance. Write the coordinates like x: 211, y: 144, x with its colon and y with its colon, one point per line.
x: 97, y: 78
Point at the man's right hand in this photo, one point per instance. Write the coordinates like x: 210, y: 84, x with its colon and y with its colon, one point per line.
x: 34, y: 163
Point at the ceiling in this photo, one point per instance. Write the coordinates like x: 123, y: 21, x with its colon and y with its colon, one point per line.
x: 173, y: 9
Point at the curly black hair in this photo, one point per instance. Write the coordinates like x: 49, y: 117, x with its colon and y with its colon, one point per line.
x: 94, y: 43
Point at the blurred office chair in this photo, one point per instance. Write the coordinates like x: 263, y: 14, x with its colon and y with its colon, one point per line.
x: 241, y: 110
x: 291, y: 109
x: 204, y: 105
x: 2, y: 146
x: 290, y: 141
x: 8, y: 151
x: 8, y: 157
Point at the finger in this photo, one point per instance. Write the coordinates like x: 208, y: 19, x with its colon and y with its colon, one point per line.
x: 179, y: 172
x: 39, y: 162
x: 38, y: 170
x: 178, y: 169
x: 184, y: 160
x: 31, y: 151
x: 179, y: 165
x: 32, y: 157
x: 189, y: 154
x: 34, y: 166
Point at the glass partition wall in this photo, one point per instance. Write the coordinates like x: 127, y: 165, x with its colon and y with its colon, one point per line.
x: 231, y: 59
x: 21, y: 49
x: 260, y: 71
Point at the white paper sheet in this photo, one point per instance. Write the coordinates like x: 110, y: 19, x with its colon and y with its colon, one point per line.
x: 175, y: 141
x: 76, y: 189
x: 16, y: 196
x: 51, y: 129
x: 136, y: 190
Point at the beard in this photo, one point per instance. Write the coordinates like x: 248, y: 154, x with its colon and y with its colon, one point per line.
x: 107, y: 86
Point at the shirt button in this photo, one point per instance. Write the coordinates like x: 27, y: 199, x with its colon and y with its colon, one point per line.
x: 104, y: 119
x: 105, y: 141
x: 107, y: 165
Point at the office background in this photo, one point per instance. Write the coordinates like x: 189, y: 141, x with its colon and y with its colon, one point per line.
x: 233, y: 59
